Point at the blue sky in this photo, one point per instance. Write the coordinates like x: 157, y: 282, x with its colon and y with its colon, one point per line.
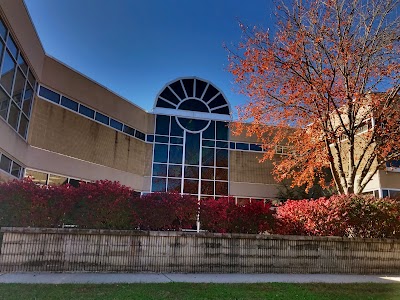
x: 135, y: 47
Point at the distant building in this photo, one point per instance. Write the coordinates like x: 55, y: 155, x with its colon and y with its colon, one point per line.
x: 59, y: 126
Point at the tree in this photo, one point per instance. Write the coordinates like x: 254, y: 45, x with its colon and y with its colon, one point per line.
x: 325, y: 84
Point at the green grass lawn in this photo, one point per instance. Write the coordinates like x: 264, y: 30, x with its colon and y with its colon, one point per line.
x: 201, y: 291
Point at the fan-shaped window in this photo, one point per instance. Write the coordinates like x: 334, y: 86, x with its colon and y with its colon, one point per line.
x: 193, y: 105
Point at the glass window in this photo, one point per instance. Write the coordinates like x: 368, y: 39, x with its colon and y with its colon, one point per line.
x: 160, y: 153
x: 37, y: 177
x: 150, y: 138
x: 4, y: 102
x: 210, y: 93
x: 49, y: 95
x: 175, y: 154
x: 3, y: 30
x: 221, y: 188
x: 232, y: 145
x: 159, y: 184
x: 207, y: 187
x: 177, y: 87
x: 385, y: 193
x: 207, y: 173
x: 218, y: 101
x: 221, y: 174
x: 5, y: 163
x: 209, y: 133
x: 208, y: 143
x: 193, y: 105
x: 165, y: 104
x: 57, y: 180
x: 86, y: 111
x: 176, y: 140
x: 222, y: 110
x: 191, y: 172
x: 13, y: 116
x: 191, y: 186
x: 28, y: 97
x: 174, y: 171
x: 140, y: 135
x: 255, y: 147
x: 168, y: 95
x: 7, y: 72
x: 23, y: 126
x: 176, y: 130
x: 74, y: 182
x: 18, y: 87
x: 159, y: 170
x: 194, y: 125
x: 22, y: 64
x: 192, y: 147
x: 242, y: 146
x: 162, y: 139
x: 129, y: 130
x: 222, y: 144
x: 200, y: 86
x: 174, y: 185
x: 31, y: 78
x: 162, y: 125
x: 222, y: 158
x: 11, y: 46
x: 115, y: 124
x: 16, y: 170
x: 207, y: 156
x: 188, y: 84
x: 102, y: 118
x: 69, y: 103
x: 222, y: 131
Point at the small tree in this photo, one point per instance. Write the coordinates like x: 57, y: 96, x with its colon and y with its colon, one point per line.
x: 329, y: 73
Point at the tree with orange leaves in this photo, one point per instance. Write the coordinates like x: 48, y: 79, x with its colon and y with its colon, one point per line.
x: 326, y: 85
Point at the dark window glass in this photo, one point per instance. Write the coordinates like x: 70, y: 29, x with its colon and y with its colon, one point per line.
x: 218, y: 101
x: 210, y: 93
x: 222, y: 158
x: 207, y: 173
x: 176, y: 140
x: 193, y: 105
x: 50, y: 95
x: 7, y: 72
x: 159, y: 170
x: 188, y: 83
x: 86, y: 111
x: 74, y: 182
x: 175, y: 154
x: 221, y: 174
x: 28, y: 98
x: 192, y: 147
x: 232, y: 145
x: 168, y: 95
x: 69, y: 103
x: 385, y: 193
x: 23, y: 126
x: 16, y: 170
x: 13, y: 116
x: 208, y: 143
x: 150, y: 138
x: 209, y: 133
x: 3, y: 30
x: 221, y: 188
x: 140, y: 135
x: 164, y: 104
x: 22, y: 64
x: 222, y: 110
x: 174, y: 171
x: 207, y: 187
x: 4, y: 102
x: 177, y: 87
x: 158, y: 184
x: 193, y: 124
x: 222, y: 144
x: 255, y: 147
x: 5, y: 163
x: 200, y: 86
x: 174, y: 185
x: 11, y: 46
x: 31, y: 78
x: 207, y: 156
x: 115, y: 124
x: 129, y: 130
x: 176, y: 130
x: 162, y: 125
x: 102, y: 118
x: 162, y: 139
x: 242, y: 146
x: 222, y: 131
x: 18, y: 90
x: 191, y: 172
x: 393, y: 164
x: 160, y: 153
x: 191, y: 186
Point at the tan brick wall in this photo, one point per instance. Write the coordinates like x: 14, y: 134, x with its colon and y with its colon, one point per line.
x: 56, y: 129
x: 245, y: 167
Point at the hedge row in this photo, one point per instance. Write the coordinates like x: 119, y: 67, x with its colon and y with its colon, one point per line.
x: 110, y: 205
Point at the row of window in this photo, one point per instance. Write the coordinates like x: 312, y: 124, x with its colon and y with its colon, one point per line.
x: 10, y: 166
x: 44, y: 178
x: 90, y: 113
x: 17, y: 84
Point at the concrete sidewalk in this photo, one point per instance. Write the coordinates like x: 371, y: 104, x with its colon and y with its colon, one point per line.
x: 98, y: 278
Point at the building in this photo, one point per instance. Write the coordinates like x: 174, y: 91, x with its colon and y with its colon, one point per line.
x: 59, y: 126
